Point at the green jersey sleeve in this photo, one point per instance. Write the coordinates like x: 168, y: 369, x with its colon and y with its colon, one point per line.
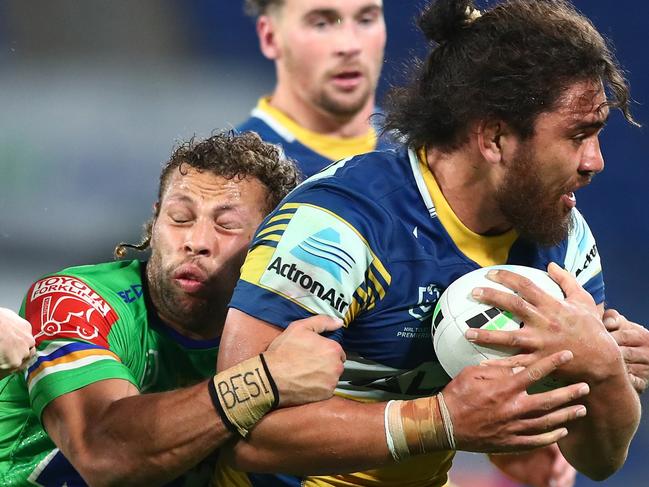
x: 76, y: 344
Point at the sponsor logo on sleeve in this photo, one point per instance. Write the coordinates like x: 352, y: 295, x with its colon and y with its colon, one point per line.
x: 319, y: 262
x: 133, y: 293
x: 590, y: 257
x: 66, y: 307
x: 310, y: 284
x: 323, y: 250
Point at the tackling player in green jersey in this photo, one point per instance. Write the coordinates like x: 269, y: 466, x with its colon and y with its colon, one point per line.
x: 106, y: 334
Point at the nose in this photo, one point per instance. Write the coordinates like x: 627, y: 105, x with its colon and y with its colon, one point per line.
x: 200, y: 238
x: 592, y: 161
x: 347, y: 40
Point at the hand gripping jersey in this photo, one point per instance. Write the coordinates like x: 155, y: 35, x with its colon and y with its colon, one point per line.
x: 90, y: 323
x: 371, y: 240
x: 311, y: 151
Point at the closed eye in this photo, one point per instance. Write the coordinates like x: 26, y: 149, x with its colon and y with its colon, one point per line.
x: 180, y: 218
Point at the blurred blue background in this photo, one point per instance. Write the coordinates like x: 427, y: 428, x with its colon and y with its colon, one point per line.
x: 95, y: 94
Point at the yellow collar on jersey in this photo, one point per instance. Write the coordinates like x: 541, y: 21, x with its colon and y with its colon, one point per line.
x: 485, y: 250
x: 333, y: 148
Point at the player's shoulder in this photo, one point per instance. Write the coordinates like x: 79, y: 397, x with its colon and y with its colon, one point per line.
x: 101, y: 268
x: 579, y: 240
x: 577, y: 237
x: 371, y: 175
x: 115, y: 282
x: 110, y: 274
x: 582, y: 255
x: 350, y: 206
x: 578, y: 254
x: 250, y: 124
x: 579, y: 229
x: 85, y: 302
x: 268, y: 132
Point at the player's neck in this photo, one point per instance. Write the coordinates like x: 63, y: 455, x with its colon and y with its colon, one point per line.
x: 208, y: 327
x: 320, y: 121
x: 468, y: 188
x: 210, y: 332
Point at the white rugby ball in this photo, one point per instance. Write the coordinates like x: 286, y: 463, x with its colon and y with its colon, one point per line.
x: 456, y: 311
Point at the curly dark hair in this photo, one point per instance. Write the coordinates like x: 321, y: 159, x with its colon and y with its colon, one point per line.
x: 255, y: 8
x: 229, y: 155
x: 510, y: 63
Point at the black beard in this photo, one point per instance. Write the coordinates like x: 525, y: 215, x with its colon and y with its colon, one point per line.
x: 533, y: 209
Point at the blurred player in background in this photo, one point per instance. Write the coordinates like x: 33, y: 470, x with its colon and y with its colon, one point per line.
x: 501, y: 127
x: 328, y: 56
x: 107, y: 333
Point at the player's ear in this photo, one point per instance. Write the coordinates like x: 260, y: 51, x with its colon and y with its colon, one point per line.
x: 267, y: 37
x: 493, y: 137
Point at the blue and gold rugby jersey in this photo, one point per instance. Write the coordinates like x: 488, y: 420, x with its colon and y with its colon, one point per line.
x: 311, y: 151
x: 371, y: 240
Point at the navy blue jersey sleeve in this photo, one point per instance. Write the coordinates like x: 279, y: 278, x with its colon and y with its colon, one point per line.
x: 313, y: 255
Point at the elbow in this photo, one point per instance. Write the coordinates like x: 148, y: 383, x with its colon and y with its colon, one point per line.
x: 97, y: 474
x: 604, y: 468
x: 100, y: 470
x: 118, y: 463
x: 600, y: 474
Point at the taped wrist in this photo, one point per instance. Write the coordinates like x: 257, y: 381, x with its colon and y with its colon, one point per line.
x: 418, y: 426
x: 243, y: 393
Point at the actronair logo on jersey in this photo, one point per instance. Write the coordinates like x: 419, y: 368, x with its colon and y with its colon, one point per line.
x: 309, y: 283
x: 319, y: 262
x: 589, y: 258
x: 323, y: 250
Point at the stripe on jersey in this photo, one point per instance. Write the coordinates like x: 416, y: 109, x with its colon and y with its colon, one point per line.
x: 369, y: 381
x: 64, y: 355
x: 327, y: 146
x: 273, y: 124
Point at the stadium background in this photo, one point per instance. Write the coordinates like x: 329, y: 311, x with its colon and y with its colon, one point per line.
x: 94, y: 94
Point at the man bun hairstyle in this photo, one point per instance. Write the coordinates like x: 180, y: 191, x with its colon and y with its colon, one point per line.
x: 442, y: 21
x: 510, y: 63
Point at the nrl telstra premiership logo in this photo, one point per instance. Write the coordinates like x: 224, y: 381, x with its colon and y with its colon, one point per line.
x: 321, y: 252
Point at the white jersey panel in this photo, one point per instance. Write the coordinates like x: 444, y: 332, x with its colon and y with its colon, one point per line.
x: 582, y: 258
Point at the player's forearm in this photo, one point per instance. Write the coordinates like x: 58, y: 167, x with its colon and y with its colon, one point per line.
x: 152, y: 438
x: 332, y: 436
x: 598, y: 443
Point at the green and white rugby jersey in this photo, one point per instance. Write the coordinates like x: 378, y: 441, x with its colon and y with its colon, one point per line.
x: 91, y: 323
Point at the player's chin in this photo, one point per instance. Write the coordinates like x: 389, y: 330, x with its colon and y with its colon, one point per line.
x: 187, y: 299
x: 346, y: 104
